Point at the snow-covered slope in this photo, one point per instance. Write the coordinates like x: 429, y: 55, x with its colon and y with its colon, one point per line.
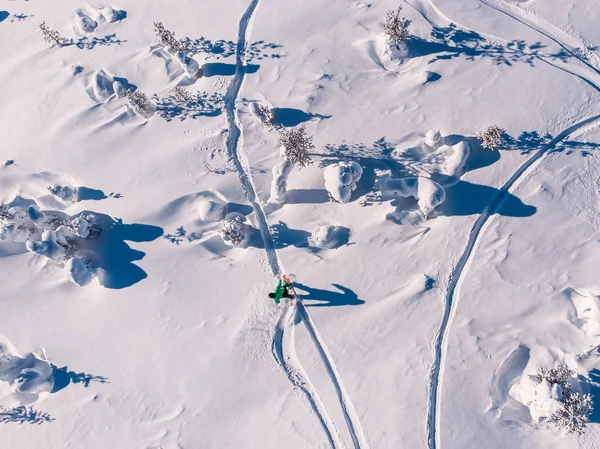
x: 417, y: 313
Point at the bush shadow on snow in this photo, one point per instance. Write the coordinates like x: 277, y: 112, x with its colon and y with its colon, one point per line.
x: 289, y: 117
x: 328, y: 298
x: 594, y: 385
x: 23, y: 415
x: 85, y: 43
x: 87, y: 194
x: 115, y: 257
x: 451, y: 42
x: 221, y: 48
x: 63, y: 377
x: 530, y: 142
x: 200, y: 104
x: 223, y: 69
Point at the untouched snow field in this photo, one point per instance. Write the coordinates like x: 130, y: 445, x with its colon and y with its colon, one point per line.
x: 433, y: 276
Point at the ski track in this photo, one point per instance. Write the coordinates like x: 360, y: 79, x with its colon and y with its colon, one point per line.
x: 295, y: 374
x: 434, y: 16
x: 435, y: 385
x: 542, y: 26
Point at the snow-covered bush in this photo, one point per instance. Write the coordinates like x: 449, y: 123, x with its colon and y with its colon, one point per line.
x: 554, y: 376
x: 167, y: 37
x: 28, y: 376
x: 53, y: 245
x: 491, y: 137
x: 429, y: 194
x: 341, y: 180
x: 295, y: 146
x: 53, y: 36
x: 16, y: 224
x: 263, y: 112
x: 65, y: 193
x: 395, y: 29
x: 549, y: 394
x: 234, y: 231
x: 50, y: 235
x: 574, y: 412
x: 140, y: 103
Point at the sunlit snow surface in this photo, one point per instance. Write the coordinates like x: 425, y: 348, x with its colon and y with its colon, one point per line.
x: 416, y: 321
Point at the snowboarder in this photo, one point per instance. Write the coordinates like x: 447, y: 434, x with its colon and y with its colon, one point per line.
x: 282, y: 290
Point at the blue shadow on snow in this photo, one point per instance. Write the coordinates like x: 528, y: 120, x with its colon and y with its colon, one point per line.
x: 328, y: 298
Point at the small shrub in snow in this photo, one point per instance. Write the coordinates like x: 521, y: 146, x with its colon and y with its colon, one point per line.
x: 5, y: 214
x: 263, y: 112
x: 574, y: 412
x: 297, y: 146
x: 167, y: 37
x: 395, y: 29
x: 52, y: 36
x: 574, y: 409
x: 555, y: 376
x: 233, y: 231
x: 182, y: 95
x: 140, y: 103
x: 295, y: 150
x: 491, y: 137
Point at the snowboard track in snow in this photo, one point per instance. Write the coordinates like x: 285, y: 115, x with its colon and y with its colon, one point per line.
x: 435, y: 385
x: 290, y: 365
x: 433, y: 15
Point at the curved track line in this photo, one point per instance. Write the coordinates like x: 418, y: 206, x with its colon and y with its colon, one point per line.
x: 435, y: 388
x: 299, y: 379
x: 436, y: 18
x: 233, y: 137
x: 295, y: 374
x: 541, y: 25
x: 356, y: 431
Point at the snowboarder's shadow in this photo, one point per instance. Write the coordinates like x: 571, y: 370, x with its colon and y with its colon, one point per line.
x: 328, y: 298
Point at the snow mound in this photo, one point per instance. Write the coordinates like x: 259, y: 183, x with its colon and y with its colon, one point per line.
x: 111, y: 14
x: 543, y: 399
x: 28, y: 376
x: 432, y: 156
x: 84, y: 24
x: 341, y: 180
x: 190, y: 65
x: 429, y: 194
x: 51, y: 246
x: 87, y: 20
x: 330, y: 237
x: 211, y: 209
x: 102, y: 86
x: 281, y: 172
x: 587, y: 308
x: 79, y: 271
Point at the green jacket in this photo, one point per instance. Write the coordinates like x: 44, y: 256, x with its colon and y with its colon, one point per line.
x: 280, y: 291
